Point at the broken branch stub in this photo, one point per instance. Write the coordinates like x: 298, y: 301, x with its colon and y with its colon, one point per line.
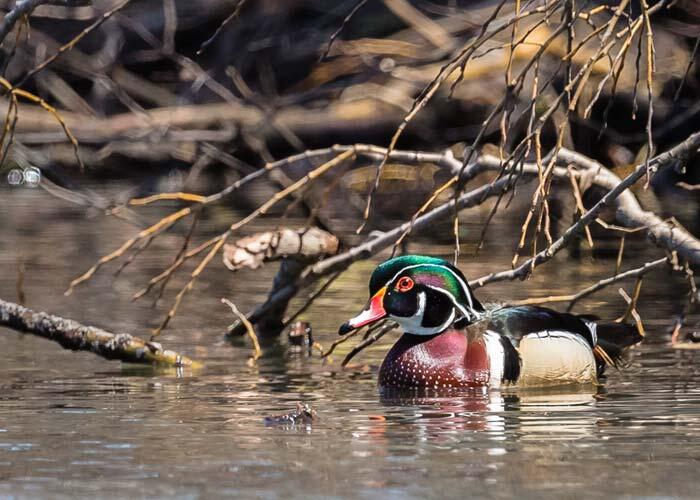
x: 297, y: 249
x: 252, y: 251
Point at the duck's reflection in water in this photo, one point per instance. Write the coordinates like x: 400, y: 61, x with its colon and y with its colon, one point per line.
x: 523, y: 415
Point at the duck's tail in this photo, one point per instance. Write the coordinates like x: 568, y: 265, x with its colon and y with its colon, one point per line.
x: 613, y: 340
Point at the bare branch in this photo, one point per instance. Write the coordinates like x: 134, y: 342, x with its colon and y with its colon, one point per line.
x: 230, y: 18
x: 681, y: 241
x: 77, y: 337
x: 576, y: 297
x: 74, y: 41
x: 25, y: 7
x: 336, y: 34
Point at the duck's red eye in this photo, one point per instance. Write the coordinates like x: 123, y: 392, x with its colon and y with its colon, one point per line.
x: 404, y: 284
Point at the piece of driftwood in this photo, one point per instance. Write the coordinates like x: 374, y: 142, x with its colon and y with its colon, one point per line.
x: 78, y: 337
x: 252, y: 251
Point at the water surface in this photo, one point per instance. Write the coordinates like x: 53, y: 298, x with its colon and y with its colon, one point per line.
x: 74, y: 425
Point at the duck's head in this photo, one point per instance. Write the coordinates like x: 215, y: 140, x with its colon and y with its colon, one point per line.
x: 424, y: 295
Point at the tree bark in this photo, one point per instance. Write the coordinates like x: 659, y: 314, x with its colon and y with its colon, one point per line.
x: 78, y: 337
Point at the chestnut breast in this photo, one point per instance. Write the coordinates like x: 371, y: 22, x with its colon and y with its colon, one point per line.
x: 448, y: 359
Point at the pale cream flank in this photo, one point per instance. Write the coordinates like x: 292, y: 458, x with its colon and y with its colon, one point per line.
x: 555, y: 358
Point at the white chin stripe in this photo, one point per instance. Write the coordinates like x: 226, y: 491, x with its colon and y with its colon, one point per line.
x: 468, y: 314
x: 413, y: 324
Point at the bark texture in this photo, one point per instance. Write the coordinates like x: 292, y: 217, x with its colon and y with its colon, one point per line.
x: 78, y: 337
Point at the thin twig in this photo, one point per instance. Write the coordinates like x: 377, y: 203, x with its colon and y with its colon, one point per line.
x: 341, y: 340
x: 310, y: 300
x: 620, y: 253
x: 155, y: 229
x: 180, y: 253
x: 429, y: 91
x: 579, y: 203
x: 68, y: 46
x: 257, y: 352
x: 691, y: 60
x: 17, y: 92
x: 24, y: 8
x: 632, y: 307
x: 230, y: 18
x: 337, y: 32
x: 190, y: 284
x: 688, y: 187
x: 576, y: 297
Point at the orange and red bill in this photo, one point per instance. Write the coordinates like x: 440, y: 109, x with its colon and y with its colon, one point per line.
x: 374, y: 311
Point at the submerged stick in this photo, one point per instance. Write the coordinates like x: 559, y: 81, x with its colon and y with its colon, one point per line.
x: 257, y: 352
x: 78, y: 337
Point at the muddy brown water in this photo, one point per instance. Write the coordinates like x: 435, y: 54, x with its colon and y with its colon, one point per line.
x: 75, y: 426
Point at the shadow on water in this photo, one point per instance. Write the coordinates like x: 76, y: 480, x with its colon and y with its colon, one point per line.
x: 73, y: 425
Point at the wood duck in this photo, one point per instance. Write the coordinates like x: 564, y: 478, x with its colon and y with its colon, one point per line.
x: 451, y: 340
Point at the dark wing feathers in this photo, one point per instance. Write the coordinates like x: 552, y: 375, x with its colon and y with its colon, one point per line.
x: 511, y: 361
x: 612, y: 338
x: 619, y: 334
x: 615, y: 338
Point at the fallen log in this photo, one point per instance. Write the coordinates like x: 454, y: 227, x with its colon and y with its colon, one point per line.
x: 78, y: 337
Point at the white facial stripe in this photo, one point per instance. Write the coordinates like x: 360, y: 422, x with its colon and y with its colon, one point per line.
x: 422, y: 299
x: 414, y: 324
x: 417, y: 318
x: 468, y: 315
x: 464, y: 286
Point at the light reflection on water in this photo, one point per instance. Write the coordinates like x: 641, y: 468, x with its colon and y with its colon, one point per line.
x: 74, y: 425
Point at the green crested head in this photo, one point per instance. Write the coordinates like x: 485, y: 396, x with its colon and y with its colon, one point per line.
x: 425, y: 295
